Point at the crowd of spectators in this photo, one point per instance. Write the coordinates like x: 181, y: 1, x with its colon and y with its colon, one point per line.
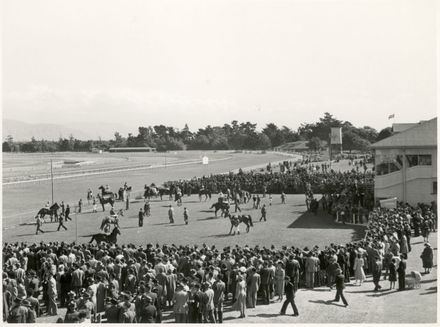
x: 128, y: 283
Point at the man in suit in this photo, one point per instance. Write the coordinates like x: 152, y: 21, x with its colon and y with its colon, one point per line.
x: 340, y: 285
x: 311, y: 267
x: 254, y: 281
x: 290, y: 297
x: 78, y: 277
x: 266, y: 281
x: 219, y: 298
x: 208, y: 301
x: 180, y: 300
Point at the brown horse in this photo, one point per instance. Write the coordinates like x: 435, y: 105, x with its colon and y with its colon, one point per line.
x: 112, y: 238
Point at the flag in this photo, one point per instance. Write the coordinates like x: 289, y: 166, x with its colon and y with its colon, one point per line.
x: 391, y: 116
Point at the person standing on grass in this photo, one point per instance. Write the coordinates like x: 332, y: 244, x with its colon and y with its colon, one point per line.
x: 67, y: 212
x: 39, y: 224
x: 263, y: 212
x: 80, y: 205
x: 171, y: 214
x: 141, y: 217
x: 283, y: 198
x: 62, y: 208
x: 61, y: 223
x: 95, y: 206
x: 270, y: 199
x: 290, y: 298
x: 340, y: 285
x: 185, y: 215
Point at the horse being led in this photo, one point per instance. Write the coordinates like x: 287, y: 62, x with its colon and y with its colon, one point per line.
x: 112, y: 238
x: 236, y: 220
x: 206, y: 193
x: 52, y: 211
x: 107, y: 222
x: 104, y: 200
x: 223, y: 206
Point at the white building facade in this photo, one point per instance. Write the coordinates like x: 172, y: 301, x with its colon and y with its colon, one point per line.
x: 406, y: 165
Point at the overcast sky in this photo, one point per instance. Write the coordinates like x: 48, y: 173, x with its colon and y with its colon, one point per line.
x: 209, y: 61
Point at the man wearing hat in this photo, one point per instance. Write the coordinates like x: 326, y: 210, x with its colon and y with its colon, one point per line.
x: 111, y: 310
x: 208, y: 303
x: 141, y: 217
x: 219, y: 288
x: 148, y: 311
x: 180, y: 304
x: 340, y: 285
x: 290, y: 297
x: 35, y: 304
x: 127, y: 313
x: 31, y: 315
x: 18, y: 312
x: 71, y: 314
x: 171, y: 214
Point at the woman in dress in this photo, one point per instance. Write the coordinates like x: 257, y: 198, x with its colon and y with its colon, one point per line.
x: 279, y: 281
x: 427, y: 258
x: 392, y: 277
x: 240, y: 295
x: 359, y: 274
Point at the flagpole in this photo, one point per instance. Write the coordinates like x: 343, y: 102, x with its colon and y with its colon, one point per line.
x: 51, y: 177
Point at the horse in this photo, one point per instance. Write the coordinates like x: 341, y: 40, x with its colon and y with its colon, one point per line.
x: 150, y: 191
x: 103, y: 201
x: 206, y: 193
x: 223, y: 206
x: 107, y: 221
x: 52, y: 211
x: 178, y: 198
x: 111, y: 238
x: 105, y: 193
x: 236, y: 220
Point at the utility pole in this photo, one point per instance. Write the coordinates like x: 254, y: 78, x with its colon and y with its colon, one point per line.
x: 51, y: 177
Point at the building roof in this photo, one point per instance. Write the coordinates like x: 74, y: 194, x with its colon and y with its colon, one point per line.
x: 421, y: 135
x: 400, y: 127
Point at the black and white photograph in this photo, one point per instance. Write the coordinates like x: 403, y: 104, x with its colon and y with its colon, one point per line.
x: 219, y: 161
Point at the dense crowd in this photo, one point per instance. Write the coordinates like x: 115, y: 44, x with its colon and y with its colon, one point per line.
x: 131, y: 283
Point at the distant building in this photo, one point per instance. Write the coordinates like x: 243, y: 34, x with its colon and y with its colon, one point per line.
x: 133, y: 149
x: 298, y: 146
x: 406, y: 164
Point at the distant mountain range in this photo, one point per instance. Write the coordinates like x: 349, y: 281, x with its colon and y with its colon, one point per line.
x: 22, y: 131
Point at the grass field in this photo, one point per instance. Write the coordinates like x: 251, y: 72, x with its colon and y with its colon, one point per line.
x: 287, y: 224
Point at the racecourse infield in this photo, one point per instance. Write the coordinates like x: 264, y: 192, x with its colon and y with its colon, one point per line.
x: 22, y: 201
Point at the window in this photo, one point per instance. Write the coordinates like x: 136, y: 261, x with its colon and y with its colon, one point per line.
x: 434, y: 187
x: 419, y: 160
x: 413, y: 160
x: 425, y: 160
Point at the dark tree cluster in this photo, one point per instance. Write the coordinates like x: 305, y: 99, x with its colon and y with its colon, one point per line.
x: 233, y: 136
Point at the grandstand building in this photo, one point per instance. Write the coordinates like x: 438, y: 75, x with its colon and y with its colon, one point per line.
x: 406, y: 164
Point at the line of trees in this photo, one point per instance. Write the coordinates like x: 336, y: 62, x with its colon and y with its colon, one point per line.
x: 236, y: 136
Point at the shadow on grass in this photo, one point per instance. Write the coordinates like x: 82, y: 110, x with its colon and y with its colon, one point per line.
x: 428, y: 281
x: 309, y: 220
x: 208, y: 218
x: 219, y: 235
x: 207, y: 211
x: 159, y: 224
x: 175, y: 225
x: 32, y: 234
